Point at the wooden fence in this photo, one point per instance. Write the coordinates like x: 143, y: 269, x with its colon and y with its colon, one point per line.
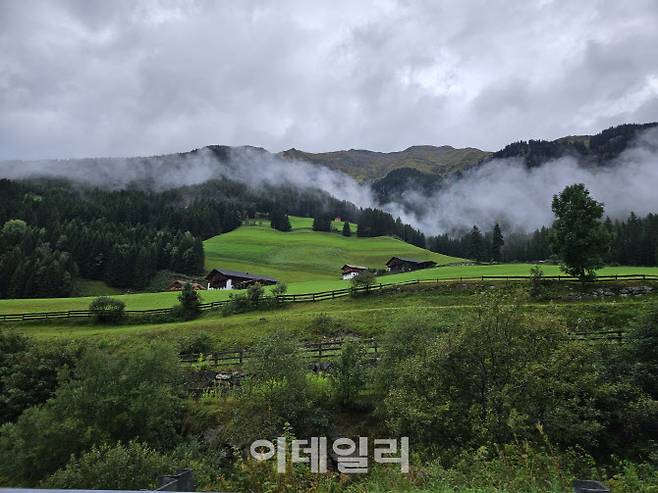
x: 317, y: 296
x: 313, y: 352
x: 322, y: 352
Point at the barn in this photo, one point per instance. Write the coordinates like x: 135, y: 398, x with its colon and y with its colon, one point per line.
x: 402, y: 264
x: 349, y: 271
x: 231, y: 279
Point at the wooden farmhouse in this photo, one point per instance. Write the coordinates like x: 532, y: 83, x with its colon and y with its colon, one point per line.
x: 231, y: 279
x: 349, y: 271
x: 401, y: 264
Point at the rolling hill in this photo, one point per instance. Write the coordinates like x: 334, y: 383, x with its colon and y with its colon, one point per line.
x: 303, y: 254
x: 369, y: 165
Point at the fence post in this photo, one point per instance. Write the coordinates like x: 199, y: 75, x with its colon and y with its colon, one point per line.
x: 320, y: 352
x: 241, y: 355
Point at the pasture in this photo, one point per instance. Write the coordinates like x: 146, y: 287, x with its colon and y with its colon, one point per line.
x: 441, y: 307
x: 308, y: 261
x: 145, y: 301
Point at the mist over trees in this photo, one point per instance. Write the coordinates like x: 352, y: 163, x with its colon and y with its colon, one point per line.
x: 55, y: 231
x: 633, y: 241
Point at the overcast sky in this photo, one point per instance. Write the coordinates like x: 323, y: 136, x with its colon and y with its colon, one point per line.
x: 122, y: 78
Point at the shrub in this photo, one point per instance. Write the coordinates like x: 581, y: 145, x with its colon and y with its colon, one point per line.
x: 190, y: 302
x: 118, y: 467
x: 132, y: 394
x: 197, y: 342
x: 495, y: 378
x: 363, y: 279
x: 275, y: 395
x: 348, y: 375
x: 536, y: 281
x: 255, y: 293
x: 252, y: 299
x: 107, y: 310
x: 30, y: 376
x: 280, y: 289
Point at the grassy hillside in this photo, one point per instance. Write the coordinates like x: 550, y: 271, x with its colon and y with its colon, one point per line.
x: 368, y: 165
x: 306, y: 260
x: 303, y: 254
x: 143, y: 301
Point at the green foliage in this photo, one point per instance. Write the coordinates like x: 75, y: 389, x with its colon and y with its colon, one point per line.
x: 348, y: 374
x: 133, y: 466
x: 579, y: 238
x: 131, y: 394
x: 279, y: 220
x: 536, y: 282
x: 497, y: 243
x: 347, y: 231
x: 275, y: 396
x: 643, y: 352
x: 374, y: 222
x: 494, y: 379
x: 107, y: 310
x: 364, y: 279
x: 322, y: 223
x: 30, y: 267
x: 255, y: 293
x: 190, y: 302
x: 29, y: 373
x: 253, y: 298
x: 280, y: 289
x: 477, y: 249
x: 197, y: 342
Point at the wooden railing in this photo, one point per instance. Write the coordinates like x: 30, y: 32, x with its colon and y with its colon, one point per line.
x: 317, y: 296
x: 313, y: 352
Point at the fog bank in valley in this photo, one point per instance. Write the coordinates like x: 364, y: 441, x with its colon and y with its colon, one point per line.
x: 503, y: 191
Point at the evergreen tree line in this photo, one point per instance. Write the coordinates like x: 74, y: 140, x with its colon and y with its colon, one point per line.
x: 123, y: 237
x: 375, y: 222
x: 634, y: 242
x: 29, y: 266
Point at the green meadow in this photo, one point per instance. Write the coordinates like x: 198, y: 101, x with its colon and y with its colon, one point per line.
x: 307, y: 261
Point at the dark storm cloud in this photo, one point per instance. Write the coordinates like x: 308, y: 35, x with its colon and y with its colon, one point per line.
x: 97, y: 78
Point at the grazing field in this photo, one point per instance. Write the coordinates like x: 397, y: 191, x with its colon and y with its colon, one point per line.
x: 441, y: 307
x: 308, y: 261
x: 303, y: 254
x: 145, y: 301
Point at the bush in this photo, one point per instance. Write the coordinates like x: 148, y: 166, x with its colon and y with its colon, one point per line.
x: 190, y: 302
x: 107, y: 310
x: 363, y: 279
x: 132, y: 394
x: 275, y: 396
x: 30, y: 376
x: 348, y: 374
x: 536, y: 282
x: 252, y: 299
x: 279, y: 289
x: 197, y: 342
x: 495, y: 378
x: 118, y: 467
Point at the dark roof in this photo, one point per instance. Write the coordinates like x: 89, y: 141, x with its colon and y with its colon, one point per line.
x: 411, y: 260
x: 351, y: 266
x: 244, y: 275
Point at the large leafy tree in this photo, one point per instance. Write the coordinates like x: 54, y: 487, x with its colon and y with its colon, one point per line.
x: 579, y: 237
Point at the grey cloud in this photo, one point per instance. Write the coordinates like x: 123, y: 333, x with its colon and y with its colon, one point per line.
x: 95, y: 78
x: 506, y: 191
